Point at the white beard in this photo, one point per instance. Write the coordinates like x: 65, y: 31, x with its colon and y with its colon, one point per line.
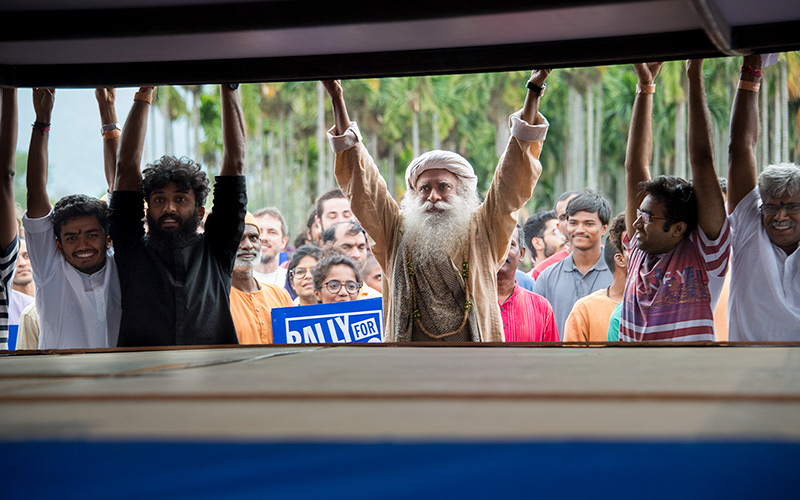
x: 434, y: 234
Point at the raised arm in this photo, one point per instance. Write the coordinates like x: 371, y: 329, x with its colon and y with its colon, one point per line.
x: 110, y: 131
x: 128, y: 176
x: 341, y: 119
x: 233, y: 137
x: 530, y: 110
x: 640, y: 140
x: 710, y: 205
x: 742, y: 176
x: 36, y: 177
x: 8, y: 148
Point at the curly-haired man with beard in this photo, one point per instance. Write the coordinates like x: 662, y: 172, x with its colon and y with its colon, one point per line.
x: 176, y: 281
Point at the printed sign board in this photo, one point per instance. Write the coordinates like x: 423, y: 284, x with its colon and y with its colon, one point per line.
x: 339, y: 322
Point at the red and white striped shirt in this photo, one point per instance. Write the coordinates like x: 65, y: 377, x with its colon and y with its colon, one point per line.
x: 673, y: 296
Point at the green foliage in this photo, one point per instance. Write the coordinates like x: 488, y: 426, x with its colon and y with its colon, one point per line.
x: 467, y: 114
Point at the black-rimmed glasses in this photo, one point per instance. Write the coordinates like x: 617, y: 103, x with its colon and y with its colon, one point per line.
x: 788, y: 208
x: 350, y: 286
x: 646, y: 217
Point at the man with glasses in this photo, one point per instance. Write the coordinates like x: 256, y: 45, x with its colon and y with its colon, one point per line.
x: 677, y: 232
x: 251, y: 300
x: 765, y: 217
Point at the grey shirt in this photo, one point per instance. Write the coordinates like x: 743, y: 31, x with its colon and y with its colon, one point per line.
x: 562, y: 284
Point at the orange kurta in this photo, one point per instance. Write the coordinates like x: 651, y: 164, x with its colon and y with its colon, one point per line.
x: 252, y: 315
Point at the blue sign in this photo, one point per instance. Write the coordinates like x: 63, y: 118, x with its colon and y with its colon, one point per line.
x: 339, y: 322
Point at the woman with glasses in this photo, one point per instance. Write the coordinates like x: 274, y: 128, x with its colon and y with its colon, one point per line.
x: 336, y: 278
x: 300, y: 277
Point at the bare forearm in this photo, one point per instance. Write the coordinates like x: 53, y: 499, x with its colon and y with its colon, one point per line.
x: 108, y: 116
x: 638, y: 154
x: 8, y: 133
x: 701, y: 149
x: 233, y: 133
x: 341, y: 118
x: 128, y: 175
x: 36, y: 176
x: 530, y: 109
x: 8, y: 146
x: 710, y: 206
x: 744, y: 138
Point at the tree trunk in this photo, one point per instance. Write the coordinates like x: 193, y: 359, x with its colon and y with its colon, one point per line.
x: 436, y: 140
x: 786, y: 135
x: 764, y: 136
x: 415, y: 133
x: 591, y: 162
x: 680, y: 140
x: 322, y: 147
x: 777, y: 121
x: 501, y: 135
x: 576, y: 149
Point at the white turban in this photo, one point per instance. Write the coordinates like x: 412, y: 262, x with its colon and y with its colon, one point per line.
x: 447, y: 160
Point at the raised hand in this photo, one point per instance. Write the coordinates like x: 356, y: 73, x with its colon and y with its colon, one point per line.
x: 538, y: 76
x: 333, y: 87
x: 646, y: 72
x: 106, y: 96
x: 694, y: 68
x: 43, y: 100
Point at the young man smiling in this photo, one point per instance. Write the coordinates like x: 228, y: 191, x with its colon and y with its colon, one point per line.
x: 584, y: 271
x: 77, y: 287
x: 677, y: 232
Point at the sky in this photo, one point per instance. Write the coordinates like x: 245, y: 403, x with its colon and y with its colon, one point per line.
x: 76, y: 147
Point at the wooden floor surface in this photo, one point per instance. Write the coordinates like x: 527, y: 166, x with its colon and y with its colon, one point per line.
x: 405, y: 393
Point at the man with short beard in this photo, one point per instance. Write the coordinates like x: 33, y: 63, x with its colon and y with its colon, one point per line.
x: 441, y: 247
x: 274, y: 237
x: 175, y: 281
x: 252, y: 301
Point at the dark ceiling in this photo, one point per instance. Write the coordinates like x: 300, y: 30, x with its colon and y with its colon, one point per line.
x: 133, y: 42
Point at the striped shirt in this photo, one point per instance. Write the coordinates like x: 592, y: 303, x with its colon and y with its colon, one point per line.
x: 673, y: 296
x: 528, y: 317
x: 8, y: 263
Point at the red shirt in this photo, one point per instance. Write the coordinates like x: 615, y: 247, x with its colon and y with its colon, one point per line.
x: 528, y: 317
x: 556, y: 257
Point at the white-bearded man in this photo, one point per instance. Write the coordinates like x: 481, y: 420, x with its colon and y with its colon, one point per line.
x: 440, y: 248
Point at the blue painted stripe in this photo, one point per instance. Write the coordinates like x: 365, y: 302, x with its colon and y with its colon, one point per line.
x: 593, y: 470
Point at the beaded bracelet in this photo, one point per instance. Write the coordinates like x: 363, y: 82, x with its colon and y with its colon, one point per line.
x: 41, y: 127
x: 751, y: 71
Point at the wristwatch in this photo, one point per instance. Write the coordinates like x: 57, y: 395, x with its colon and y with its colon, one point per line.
x: 535, y: 88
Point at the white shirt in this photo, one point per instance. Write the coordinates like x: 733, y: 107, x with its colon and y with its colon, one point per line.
x: 18, y: 301
x: 764, y: 303
x: 275, y: 278
x: 76, y: 310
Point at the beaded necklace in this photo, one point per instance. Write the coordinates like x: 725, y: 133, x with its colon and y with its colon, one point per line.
x: 416, y: 313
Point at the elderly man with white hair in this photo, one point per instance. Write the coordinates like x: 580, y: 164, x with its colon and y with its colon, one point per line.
x: 440, y: 248
x: 764, y: 210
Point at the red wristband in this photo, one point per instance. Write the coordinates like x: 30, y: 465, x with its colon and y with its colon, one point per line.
x: 751, y: 70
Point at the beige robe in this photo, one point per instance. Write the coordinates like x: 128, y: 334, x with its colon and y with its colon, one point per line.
x: 491, y: 226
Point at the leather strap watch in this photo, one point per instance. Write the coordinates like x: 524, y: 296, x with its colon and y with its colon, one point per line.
x: 536, y: 88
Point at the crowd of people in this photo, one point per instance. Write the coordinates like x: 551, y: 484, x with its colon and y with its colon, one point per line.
x: 147, y: 266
